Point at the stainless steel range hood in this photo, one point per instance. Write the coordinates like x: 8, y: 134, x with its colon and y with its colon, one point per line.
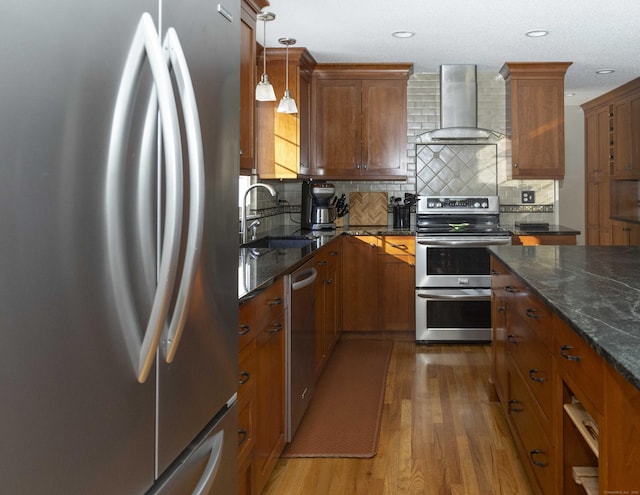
x: 458, y: 108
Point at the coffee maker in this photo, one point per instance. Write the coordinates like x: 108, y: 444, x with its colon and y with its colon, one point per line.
x: 317, y: 212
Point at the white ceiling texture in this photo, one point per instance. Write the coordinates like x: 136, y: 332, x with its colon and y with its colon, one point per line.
x: 593, y: 34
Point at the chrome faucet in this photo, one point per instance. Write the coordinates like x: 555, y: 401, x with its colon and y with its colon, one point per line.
x: 243, y: 224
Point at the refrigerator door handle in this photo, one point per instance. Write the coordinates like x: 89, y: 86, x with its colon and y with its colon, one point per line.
x: 176, y: 58
x: 211, y: 470
x: 145, y: 42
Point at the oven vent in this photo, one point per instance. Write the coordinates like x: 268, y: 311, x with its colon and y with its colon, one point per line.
x: 458, y: 108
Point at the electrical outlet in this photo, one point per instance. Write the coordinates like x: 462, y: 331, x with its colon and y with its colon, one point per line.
x: 528, y: 196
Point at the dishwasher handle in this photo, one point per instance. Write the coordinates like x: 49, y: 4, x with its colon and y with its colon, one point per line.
x: 303, y: 278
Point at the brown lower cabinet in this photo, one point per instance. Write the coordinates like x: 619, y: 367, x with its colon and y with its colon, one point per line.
x: 574, y: 419
x: 261, y: 387
x: 378, y: 283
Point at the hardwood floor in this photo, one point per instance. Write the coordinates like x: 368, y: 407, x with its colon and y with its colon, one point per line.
x: 440, y: 434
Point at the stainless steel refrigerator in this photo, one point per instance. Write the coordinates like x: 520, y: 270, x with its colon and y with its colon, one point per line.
x: 119, y: 153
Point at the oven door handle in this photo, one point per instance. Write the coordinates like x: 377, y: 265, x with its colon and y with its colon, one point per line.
x: 466, y: 243
x: 455, y: 297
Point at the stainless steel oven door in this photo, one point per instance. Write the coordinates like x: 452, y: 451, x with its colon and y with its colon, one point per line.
x: 454, y: 261
x: 453, y: 315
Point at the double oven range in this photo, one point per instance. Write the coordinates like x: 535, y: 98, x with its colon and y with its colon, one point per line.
x: 453, y: 282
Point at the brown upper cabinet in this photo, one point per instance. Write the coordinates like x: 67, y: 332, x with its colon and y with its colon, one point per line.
x: 248, y: 80
x: 360, y: 121
x: 612, y: 165
x: 283, y: 140
x: 535, y: 119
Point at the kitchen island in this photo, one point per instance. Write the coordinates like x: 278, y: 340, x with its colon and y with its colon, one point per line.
x: 566, y: 363
x: 594, y: 289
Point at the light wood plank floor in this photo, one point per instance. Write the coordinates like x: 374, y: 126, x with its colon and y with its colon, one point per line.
x: 440, y: 435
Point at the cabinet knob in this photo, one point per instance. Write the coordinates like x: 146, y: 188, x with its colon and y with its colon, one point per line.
x: 513, y: 339
x: 365, y: 166
x: 533, y: 454
x: 533, y: 375
x: 244, y: 329
x: 358, y: 166
x: 512, y: 406
x: 242, y: 436
x: 275, y: 302
x: 244, y: 377
x: 276, y: 328
x: 531, y: 313
x: 515, y: 165
x: 567, y: 356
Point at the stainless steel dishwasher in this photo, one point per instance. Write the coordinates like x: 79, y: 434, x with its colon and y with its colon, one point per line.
x: 301, y: 345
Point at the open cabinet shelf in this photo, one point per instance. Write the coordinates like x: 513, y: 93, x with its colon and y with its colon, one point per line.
x: 588, y: 478
x: 585, y: 424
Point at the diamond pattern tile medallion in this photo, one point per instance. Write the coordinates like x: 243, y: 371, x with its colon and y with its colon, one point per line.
x: 457, y: 169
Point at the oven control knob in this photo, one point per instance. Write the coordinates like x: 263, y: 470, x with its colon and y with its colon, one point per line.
x: 484, y: 204
x: 476, y: 205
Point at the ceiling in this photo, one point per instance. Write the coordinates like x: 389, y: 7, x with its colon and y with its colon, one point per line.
x: 590, y: 33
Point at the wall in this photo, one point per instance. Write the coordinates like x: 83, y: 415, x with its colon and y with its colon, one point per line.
x: 423, y: 114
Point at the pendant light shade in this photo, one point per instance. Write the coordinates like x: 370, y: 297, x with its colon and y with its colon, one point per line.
x: 287, y: 104
x: 264, y: 90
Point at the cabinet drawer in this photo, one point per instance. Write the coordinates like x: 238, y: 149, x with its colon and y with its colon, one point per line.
x: 532, y: 310
x: 533, y: 360
x: 538, y: 451
x: 259, y: 311
x: 391, y: 244
x: 579, y: 365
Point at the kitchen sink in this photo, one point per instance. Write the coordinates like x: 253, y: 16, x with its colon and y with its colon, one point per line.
x: 279, y: 243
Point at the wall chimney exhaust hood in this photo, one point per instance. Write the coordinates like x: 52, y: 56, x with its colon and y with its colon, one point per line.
x: 458, y: 108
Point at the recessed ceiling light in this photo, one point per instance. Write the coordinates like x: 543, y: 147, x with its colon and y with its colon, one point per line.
x: 569, y: 94
x: 536, y: 33
x: 402, y: 34
x: 605, y: 71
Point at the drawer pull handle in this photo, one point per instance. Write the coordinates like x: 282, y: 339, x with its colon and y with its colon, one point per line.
x: 512, y: 408
x: 399, y: 246
x: 242, y: 436
x: 532, y: 456
x: 333, y: 253
x: 531, y: 313
x: 329, y: 281
x: 511, y: 288
x: 500, y: 309
x: 494, y: 272
x: 244, y: 329
x: 533, y: 374
x: 276, y: 328
x: 567, y: 356
x: 322, y: 263
x: 276, y: 301
x: 244, y: 377
x: 513, y: 339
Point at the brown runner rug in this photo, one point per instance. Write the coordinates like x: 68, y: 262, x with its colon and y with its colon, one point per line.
x: 343, y: 419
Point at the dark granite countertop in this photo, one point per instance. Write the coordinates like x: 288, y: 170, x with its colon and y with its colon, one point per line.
x: 553, y: 230
x: 259, y: 268
x: 594, y: 289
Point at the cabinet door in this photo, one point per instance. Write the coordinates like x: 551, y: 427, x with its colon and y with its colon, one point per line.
x: 338, y: 132
x: 270, y: 389
x: 538, y: 128
x: 622, y: 139
x: 304, y: 119
x: 598, y: 207
x: 396, y: 292
x: 360, y: 283
x: 247, y: 88
x: 384, y: 127
x: 598, y: 142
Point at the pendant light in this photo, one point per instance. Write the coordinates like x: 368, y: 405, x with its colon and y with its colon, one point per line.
x: 287, y: 104
x: 264, y: 90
